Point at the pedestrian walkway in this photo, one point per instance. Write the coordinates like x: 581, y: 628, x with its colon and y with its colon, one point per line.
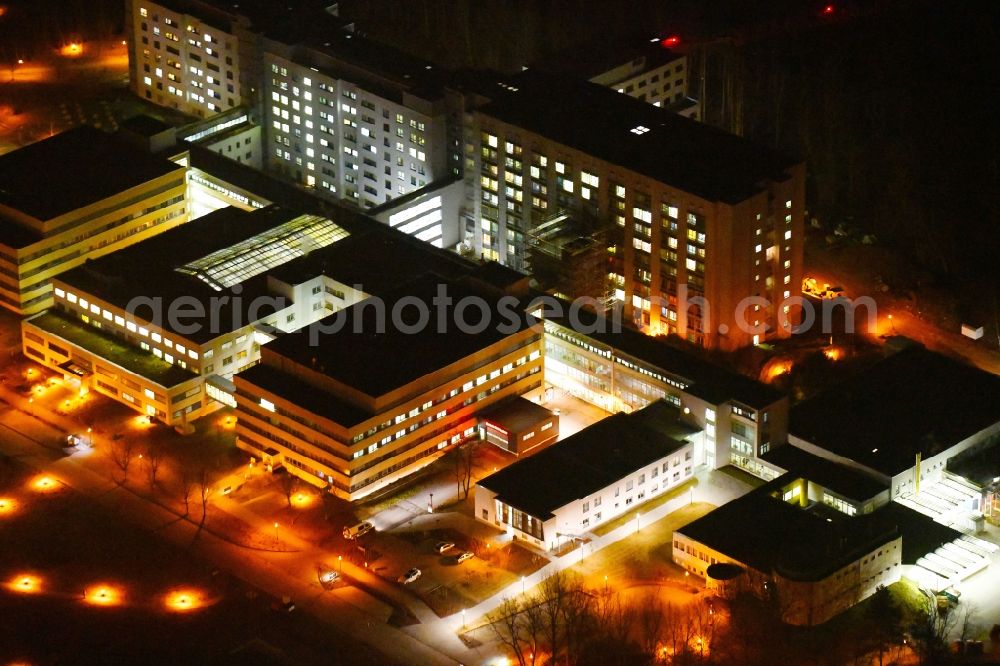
x: 713, y: 487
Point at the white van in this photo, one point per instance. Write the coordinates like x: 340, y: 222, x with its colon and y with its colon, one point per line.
x: 359, y: 530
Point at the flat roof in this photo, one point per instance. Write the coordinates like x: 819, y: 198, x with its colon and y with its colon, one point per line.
x: 592, y: 459
x: 914, y: 401
x: 516, y: 415
x: 293, y: 389
x: 496, y: 274
x: 805, y: 544
x: 680, y: 152
x: 376, y: 353
x: 706, y: 380
x: 112, y: 349
x: 81, y: 166
x: 145, y: 125
x: 980, y: 464
x: 148, y: 270
x: 845, y: 481
x: 378, y: 259
x: 359, y: 54
x: 602, y: 55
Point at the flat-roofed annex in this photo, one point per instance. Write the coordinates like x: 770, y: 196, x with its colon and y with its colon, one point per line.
x: 296, y: 238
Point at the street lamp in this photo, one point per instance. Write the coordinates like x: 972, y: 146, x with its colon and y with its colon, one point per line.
x: 430, y: 504
x: 637, y: 515
x: 463, y: 618
x: 340, y: 564
x: 275, y: 534
x: 522, y: 584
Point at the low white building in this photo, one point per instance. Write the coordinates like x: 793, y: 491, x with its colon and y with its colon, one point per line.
x: 561, y: 493
x: 814, y: 560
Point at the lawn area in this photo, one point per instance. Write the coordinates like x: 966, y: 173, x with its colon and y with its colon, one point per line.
x: 70, y: 549
x: 646, y: 507
x: 641, y: 557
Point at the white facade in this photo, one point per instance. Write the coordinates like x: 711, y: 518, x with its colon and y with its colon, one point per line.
x: 660, y: 85
x: 576, y: 518
x: 333, y: 135
x: 234, y: 348
x: 432, y: 215
x: 803, y: 602
x: 179, y: 61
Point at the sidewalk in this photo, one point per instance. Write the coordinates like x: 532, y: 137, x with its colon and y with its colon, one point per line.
x: 713, y: 488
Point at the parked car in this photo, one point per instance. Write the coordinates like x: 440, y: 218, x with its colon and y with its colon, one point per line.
x: 409, y: 576
x: 442, y: 546
x: 464, y: 556
x: 352, y: 532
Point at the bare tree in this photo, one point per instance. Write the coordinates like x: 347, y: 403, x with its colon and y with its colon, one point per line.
x: 506, y: 624
x: 288, y: 483
x: 930, y: 633
x: 187, y: 488
x: 533, y: 627
x: 461, y: 459
x: 968, y: 622
x: 204, y: 493
x: 153, y: 458
x: 652, y: 616
x: 122, y: 452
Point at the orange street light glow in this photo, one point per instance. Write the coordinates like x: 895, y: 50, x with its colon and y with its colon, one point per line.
x: 25, y: 584
x: 72, y: 49
x: 141, y: 421
x: 777, y: 369
x: 103, y: 595
x: 184, y: 600
x: 834, y: 353
x: 45, y: 484
x: 301, y: 500
x: 7, y: 506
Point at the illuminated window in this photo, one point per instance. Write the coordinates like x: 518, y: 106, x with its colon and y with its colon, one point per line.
x: 639, y: 130
x: 267, y: 404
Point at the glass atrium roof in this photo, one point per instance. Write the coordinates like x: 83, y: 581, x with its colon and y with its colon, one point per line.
x: 274, y: 247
